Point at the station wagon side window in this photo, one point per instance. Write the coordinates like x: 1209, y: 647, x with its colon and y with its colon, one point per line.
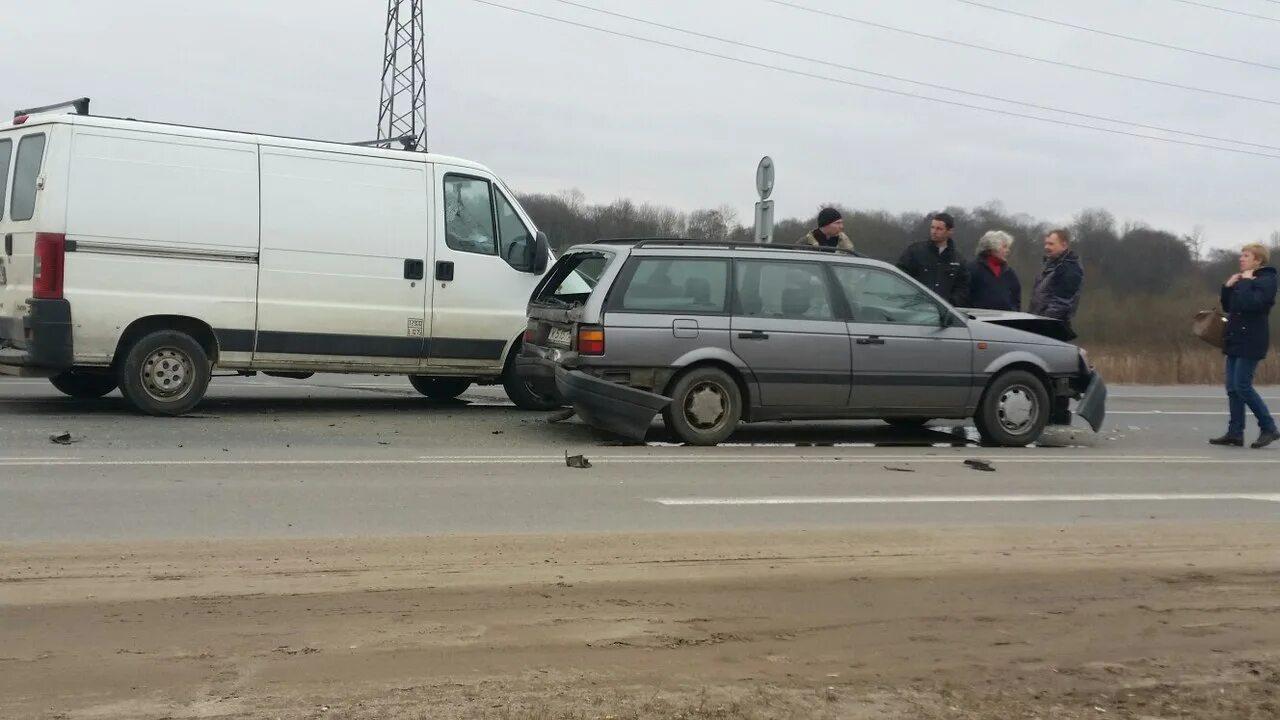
x: 790, y: 290
x: 6, y: 152
x: 878, y: 296
x: 682, y: 286
x: 22, y: 205
x: 468, y: 215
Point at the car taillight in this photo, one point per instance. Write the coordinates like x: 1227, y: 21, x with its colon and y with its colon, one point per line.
x: 50, y: 261
x: 590, y: 341
x: 530, y: 332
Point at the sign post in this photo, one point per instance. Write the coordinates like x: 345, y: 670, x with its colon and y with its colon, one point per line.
x: 764, y: 208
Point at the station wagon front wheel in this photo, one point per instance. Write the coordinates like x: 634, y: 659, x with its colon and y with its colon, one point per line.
x: 1014, y: 409
x: 705, y: 408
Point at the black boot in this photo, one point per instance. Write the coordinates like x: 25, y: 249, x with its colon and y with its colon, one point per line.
x: 1229, y: 440
x: 1265, y: 439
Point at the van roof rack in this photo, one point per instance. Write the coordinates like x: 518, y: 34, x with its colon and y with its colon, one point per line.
x: 689, y: 242
x: 79, y: 105
x: 407, y: 142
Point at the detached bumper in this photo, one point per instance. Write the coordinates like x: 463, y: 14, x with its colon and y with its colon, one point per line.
x: 611, y: 407
x: 1093, y: 403
x: 38, y: 344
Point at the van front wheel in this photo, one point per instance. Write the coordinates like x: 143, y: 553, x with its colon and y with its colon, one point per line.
x: 165, y: 373
x: 82, y: 385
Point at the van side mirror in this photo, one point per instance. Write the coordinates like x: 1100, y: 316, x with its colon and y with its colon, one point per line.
x: 541, y: 254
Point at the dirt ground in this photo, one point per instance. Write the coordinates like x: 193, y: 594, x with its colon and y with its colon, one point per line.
x: 1155, y: 621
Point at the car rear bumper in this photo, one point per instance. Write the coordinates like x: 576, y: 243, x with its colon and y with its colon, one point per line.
x: 39, y: 343
x: 1093, y: 402
x: 611, y: 407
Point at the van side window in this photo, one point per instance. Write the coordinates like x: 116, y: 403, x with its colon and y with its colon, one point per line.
x: 675, y: 285
x: 30, y: 154
x: 6, y: 152
x: 514, y: 239
x: 468, y: 215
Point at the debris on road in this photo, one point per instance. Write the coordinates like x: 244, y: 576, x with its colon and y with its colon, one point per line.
x: 561, y: 416
x: 496, y: 432
x: 576, y: 461
x: 62, y: 438
x: 980, y: 465
x: 895, y: 468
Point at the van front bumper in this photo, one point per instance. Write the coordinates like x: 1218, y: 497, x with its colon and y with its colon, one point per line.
x: 39, y: 343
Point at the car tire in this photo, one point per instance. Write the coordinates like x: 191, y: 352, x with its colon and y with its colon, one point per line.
x: 523, y: 395
x: 439, y: 388
x: 1014, y: 409
x: 84, y: 385
x: 164, y: 373
x: 706, y: 406
x: 909, y: 423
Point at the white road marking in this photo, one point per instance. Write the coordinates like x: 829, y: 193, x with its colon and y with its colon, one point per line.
x: 1166, y: 412
x: 666, y: 459
x: 920, y: 499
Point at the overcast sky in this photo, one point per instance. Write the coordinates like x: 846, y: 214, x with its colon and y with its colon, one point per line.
x: 552, y: 107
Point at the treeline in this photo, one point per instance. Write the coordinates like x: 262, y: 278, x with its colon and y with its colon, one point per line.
x: 1142, y: 284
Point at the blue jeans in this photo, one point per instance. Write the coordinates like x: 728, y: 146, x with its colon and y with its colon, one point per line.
x: 1240, y: 393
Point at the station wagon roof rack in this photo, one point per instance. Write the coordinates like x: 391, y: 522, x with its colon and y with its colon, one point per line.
x: 79, y: 105
x: 688, y: 242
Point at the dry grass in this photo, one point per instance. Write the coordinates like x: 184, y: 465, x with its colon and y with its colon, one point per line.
x: 1180, y: 365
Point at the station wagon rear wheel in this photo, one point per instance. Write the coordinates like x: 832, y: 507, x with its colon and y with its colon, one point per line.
x: 1014, y: 409
x: 705, y: 408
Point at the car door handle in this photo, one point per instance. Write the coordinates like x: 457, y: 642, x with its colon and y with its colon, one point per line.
x: 444, y: 270
x: 753, y: 335
x: 873, y: 340
x: 414, y: 269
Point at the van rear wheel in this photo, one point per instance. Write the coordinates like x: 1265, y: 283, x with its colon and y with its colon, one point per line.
x: 439, y: 388
x: 165, y: 373
x: 84, y: 385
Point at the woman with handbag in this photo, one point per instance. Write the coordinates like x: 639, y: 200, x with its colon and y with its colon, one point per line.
x: 1247, y: 298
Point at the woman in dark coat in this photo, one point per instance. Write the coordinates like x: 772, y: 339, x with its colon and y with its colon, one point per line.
x: 1247, y: 298
x: 993, y: 285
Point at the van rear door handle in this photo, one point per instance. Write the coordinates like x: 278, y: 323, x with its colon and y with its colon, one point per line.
x: 413, y: 269
x: 8, y: 244
x: 753, y: 335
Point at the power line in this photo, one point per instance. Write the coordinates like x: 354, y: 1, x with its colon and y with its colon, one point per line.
x: 1130, y: 38
x: 1219, y: 8
x: 897, y: 78
x: 1032, y: 58
x: 849, y: 83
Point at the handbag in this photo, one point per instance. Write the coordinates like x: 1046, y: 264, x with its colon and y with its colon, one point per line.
x: 1211, y: 327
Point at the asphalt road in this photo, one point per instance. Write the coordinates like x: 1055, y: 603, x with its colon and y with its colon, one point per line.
x: 347, y: 456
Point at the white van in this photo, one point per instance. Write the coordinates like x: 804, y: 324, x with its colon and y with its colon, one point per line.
x: 142, y: 256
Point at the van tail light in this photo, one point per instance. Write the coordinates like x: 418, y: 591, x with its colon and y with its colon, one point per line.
x: 591, y: 341
x: 50, y: 262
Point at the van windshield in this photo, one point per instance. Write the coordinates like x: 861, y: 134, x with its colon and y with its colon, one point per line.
x: 572, y: 279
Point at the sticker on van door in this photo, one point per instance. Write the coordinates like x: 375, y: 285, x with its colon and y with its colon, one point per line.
x: 417, y: 327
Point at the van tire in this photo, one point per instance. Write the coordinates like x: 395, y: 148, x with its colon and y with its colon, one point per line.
x: 524, y: 396
x: 165, y: 373
x: 1014, y: 409
x: 84, y: 385
x: 439, y: 388
x: 712, y: 392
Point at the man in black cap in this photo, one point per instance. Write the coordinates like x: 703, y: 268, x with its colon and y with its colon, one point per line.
x: 936, y: 263
x: 829, y: 233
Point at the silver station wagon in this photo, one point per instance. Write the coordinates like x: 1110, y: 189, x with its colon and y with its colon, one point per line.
x: 712, y: 335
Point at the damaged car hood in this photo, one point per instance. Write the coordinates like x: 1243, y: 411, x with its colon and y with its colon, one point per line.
x: 1026, y: 322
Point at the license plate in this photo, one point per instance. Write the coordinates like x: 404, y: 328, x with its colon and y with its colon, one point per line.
x: 559, y: 336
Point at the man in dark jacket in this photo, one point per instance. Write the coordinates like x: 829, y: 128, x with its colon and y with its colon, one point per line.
x: 936, y: 263
x: 1247, y: 298
x: 1056, y: 293
x: 993, y: 285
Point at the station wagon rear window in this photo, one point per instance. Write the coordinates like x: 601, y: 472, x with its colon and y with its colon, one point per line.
x: 572, y: 279
x: 687, y: 286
